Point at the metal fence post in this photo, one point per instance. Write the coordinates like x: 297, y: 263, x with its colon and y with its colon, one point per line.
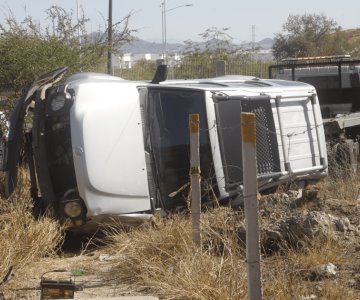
x: 220, y: 68
x: 194, y: 121
x: 248, y: 134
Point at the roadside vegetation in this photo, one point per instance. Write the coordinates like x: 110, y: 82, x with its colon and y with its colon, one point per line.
x: 159, y: 258
x: 29, y: 48
x: 24, y: 239
x: 314, y: 35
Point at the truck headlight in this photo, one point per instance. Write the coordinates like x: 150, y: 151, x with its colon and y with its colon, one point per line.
x: 58, y: 102
x: 72, y: 208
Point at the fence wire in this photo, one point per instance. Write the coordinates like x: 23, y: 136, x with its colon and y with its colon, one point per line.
x: 197, y: 69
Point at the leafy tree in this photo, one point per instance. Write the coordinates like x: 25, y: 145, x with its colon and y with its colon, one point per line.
x: 27, y: 49
x: 309, y: 35
x: 348, y: 41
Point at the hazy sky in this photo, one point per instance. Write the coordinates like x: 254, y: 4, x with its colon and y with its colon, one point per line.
x: 184, y: 23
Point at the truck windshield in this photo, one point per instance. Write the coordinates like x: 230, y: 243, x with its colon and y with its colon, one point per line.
x: 169, y: 111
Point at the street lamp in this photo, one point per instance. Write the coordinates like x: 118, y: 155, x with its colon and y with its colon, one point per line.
x: 78, y: 23
x: 78, y: 29
x: 163, y: 25
x: 110, y: 41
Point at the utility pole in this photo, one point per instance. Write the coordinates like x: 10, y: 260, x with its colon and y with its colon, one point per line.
x: 110, y: 31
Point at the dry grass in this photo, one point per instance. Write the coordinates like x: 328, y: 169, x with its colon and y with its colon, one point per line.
x: 158, y: 258
x: 289, y: 276
x: 161, y: 259
x: 341, y: 188
x: 342, y: 183
x: 23, y: 239
x: 317, y: 252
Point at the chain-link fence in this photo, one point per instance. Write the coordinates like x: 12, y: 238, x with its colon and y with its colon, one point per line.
x: 184, y: 69
x: 197, y: 69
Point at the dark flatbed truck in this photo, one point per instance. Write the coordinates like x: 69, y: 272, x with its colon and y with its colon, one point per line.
x: 336, y: 79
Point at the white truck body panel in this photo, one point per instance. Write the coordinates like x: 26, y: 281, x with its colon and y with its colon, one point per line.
x: 108, y: 147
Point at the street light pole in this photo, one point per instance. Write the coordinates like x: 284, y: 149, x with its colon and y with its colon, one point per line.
x: 78, y: 23
x: 110, y: 29
x: 163, y: 26
x: 78, y: 30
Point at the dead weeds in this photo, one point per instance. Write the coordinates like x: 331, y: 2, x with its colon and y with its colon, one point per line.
x: 158, y: 258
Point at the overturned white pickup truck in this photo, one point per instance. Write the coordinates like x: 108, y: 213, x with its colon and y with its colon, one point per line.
x: 98, y: 145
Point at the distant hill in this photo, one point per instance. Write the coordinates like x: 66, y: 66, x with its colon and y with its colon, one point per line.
x: 266, y: 44
x: 140, y: 46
